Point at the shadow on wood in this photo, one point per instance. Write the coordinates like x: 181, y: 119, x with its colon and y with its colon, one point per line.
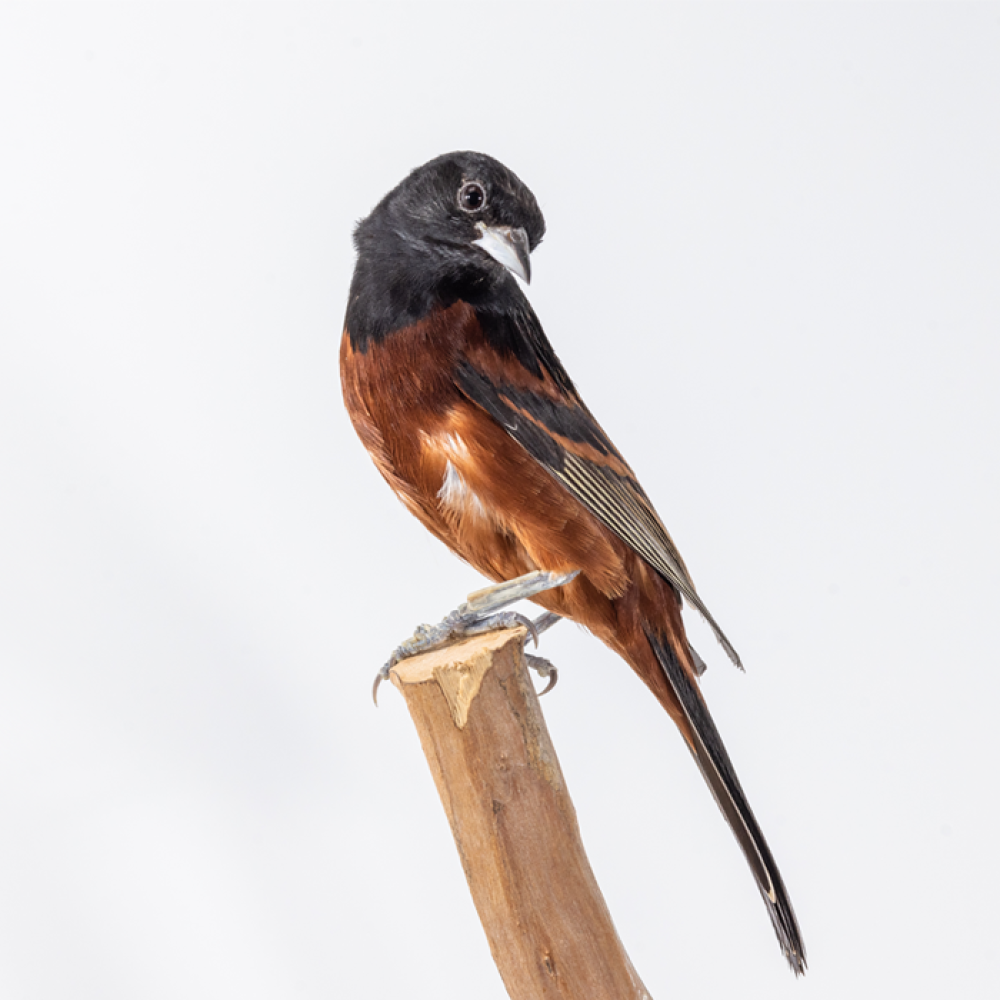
x: 495, y: 768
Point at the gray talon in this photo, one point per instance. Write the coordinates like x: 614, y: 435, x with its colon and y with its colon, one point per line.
x: 544, y: 668
x: 543, y: 623
x: 382, y: 675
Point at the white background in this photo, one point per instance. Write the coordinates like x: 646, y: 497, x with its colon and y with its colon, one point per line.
x: 773, y: 269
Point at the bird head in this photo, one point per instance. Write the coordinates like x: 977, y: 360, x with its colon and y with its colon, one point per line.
x: 462, y: 215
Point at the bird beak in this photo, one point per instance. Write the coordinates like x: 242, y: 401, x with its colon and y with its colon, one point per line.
x: 507, y: 246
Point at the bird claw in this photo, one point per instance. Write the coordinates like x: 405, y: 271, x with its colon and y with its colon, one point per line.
x: 482, y: 612
x: 382, y: 675
x: 545, y: 669
x: 543, y: 623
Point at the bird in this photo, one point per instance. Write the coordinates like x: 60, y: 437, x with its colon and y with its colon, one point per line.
x: 469, y: 415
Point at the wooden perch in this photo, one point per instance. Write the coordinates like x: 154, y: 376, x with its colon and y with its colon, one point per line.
x: 496, y: 771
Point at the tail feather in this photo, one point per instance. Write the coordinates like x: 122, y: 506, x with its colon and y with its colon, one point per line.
x: 717, y: 769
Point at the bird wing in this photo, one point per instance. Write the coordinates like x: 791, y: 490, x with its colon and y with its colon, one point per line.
x: 548, y: 419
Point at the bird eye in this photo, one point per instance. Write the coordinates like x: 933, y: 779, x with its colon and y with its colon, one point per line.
x: 471, y: 197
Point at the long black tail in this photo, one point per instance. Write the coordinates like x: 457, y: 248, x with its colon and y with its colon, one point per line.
x: 718, y: 771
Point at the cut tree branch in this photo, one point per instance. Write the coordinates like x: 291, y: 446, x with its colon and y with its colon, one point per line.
x: 515, y: 827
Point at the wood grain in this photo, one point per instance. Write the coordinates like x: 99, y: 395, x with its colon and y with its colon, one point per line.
x: 514, y: 824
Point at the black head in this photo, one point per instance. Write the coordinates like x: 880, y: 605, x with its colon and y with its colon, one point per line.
x: 457, y: 227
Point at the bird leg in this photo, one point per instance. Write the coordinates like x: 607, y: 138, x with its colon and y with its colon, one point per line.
x: 483, y: 612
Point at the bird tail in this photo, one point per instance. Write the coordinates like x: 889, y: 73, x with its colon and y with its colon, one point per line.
x: 717, y: 769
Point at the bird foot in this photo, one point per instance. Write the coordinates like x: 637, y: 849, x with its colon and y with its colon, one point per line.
x: 483, y: 612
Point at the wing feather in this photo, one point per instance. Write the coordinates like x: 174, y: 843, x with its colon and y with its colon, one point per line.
x: 561, y: 434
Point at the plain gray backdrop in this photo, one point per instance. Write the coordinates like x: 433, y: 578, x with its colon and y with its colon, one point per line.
x: 773, y: 269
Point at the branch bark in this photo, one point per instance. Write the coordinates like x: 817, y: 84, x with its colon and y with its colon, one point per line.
x: 515, y: 827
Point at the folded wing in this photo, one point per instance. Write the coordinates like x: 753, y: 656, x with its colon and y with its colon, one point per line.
x: 548, y: 419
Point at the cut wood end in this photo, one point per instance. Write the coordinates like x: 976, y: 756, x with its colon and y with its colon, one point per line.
x: 458, y: 669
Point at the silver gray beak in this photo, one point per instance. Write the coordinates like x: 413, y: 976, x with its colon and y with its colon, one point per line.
x: 507, y: 246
